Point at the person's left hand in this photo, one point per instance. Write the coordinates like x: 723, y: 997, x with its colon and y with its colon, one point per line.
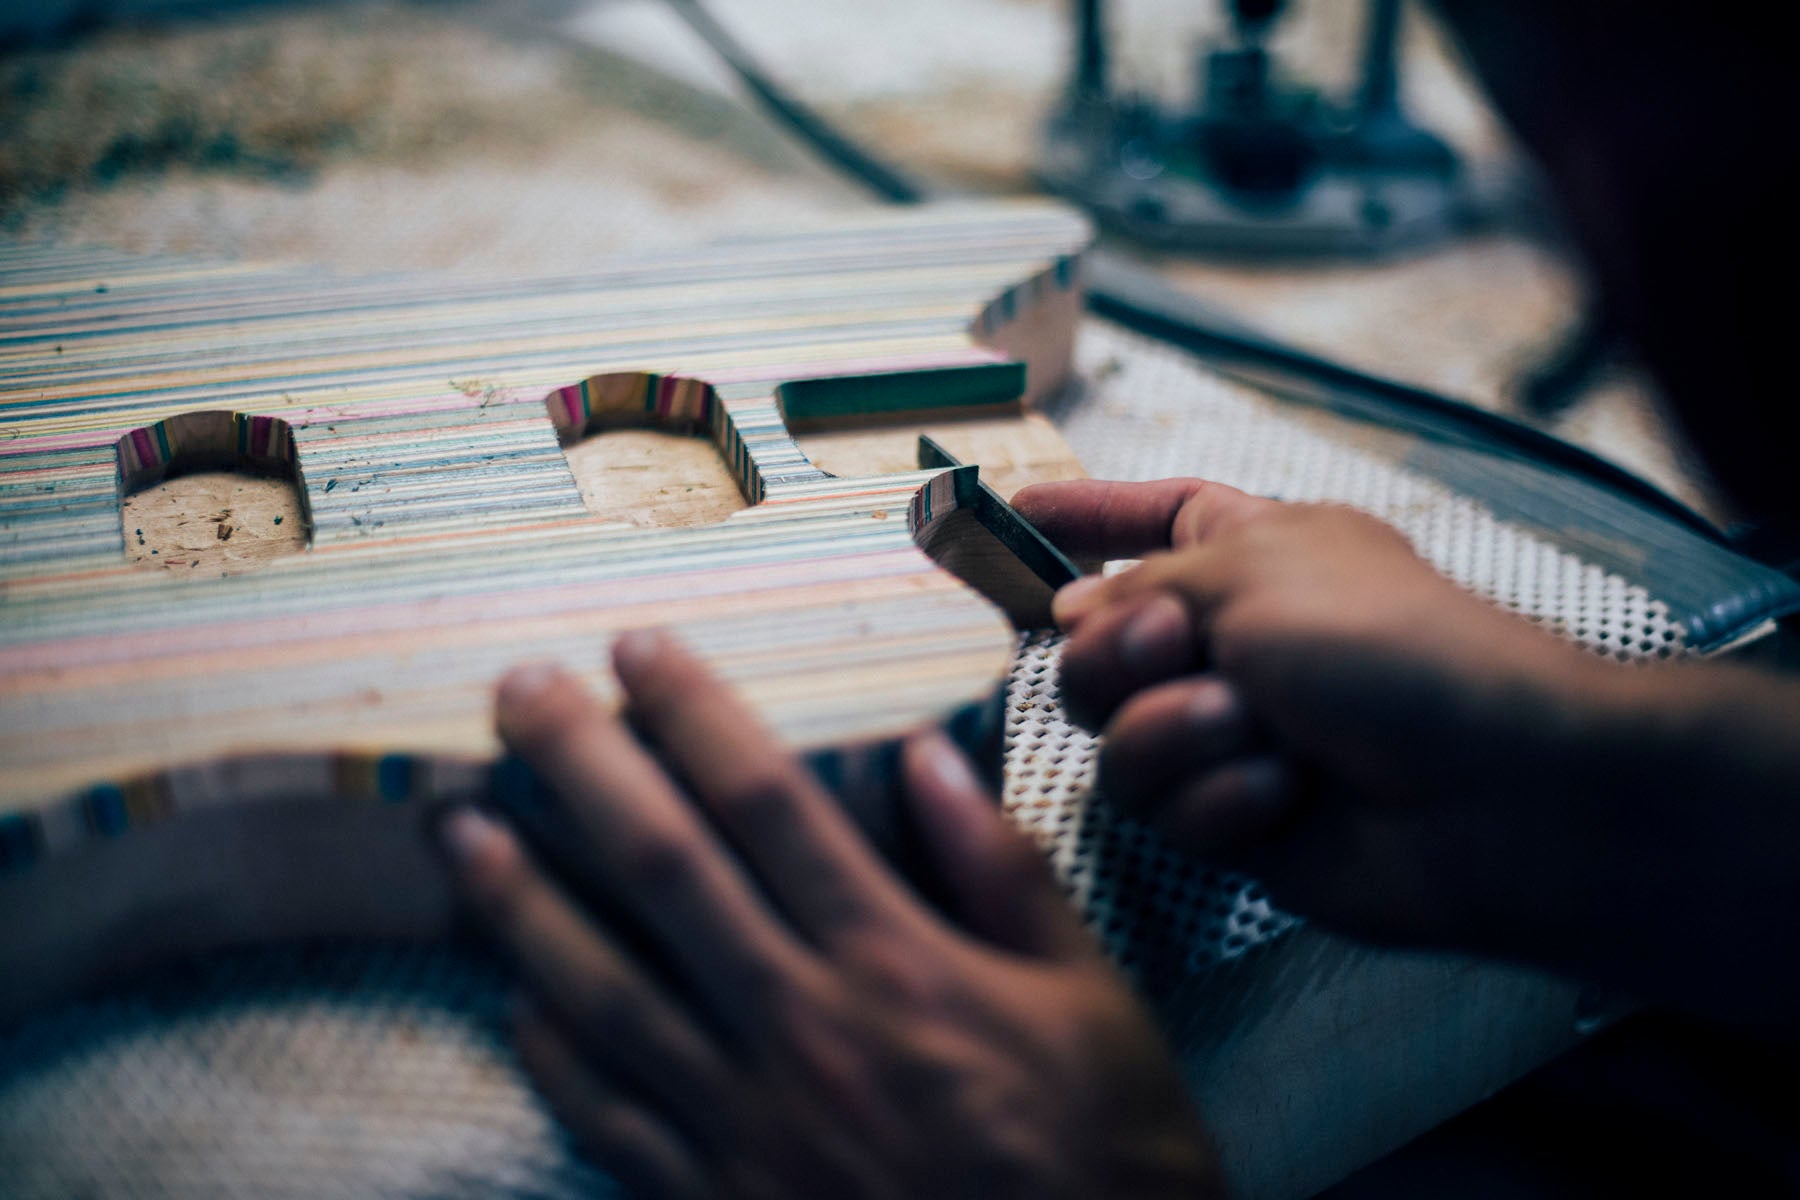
x: 758, y: 1005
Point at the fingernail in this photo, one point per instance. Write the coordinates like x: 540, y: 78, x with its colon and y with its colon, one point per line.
x: 467, y: 836
x: 636, y: 650
x: 1075, y: 600
x: 947, y: 766
x: 1233, y: 810
x: 523, y: 684
x: 1158, y: 640
x: 1213, y: 703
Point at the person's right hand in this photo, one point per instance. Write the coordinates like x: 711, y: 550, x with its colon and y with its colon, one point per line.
x: 1291, y: 689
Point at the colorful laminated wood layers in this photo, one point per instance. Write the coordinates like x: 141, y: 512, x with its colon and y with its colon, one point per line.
x: 422, y: 422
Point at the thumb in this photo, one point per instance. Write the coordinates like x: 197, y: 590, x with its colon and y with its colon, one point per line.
x: 1099, y: 519
x: 1000, y: 888
x: 1212, y: 509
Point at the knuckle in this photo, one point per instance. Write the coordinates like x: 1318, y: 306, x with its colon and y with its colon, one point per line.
x: 825, y: 1032
x: 1208, y: 507
x: 502, y: 888
x: 1261, y: 537
x: 656, y: 696
x: 786, y: 988
x: 897, y: 972
x: 789, y: 1007
x: 661, y: 691
x: 660, y: 863
x: 609, y: 1007
x: 1348, y: 521
x: 1244, y: 631
x: 552, y: 722
x: 761, y: 799
x: 1021, y: 860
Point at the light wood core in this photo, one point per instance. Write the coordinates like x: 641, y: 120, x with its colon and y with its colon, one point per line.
x: 218, y: 522
x: 654, y: 479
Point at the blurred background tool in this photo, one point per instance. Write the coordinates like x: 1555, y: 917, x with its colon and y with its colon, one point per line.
x: 1266, y: 178
x: 1256, y: 164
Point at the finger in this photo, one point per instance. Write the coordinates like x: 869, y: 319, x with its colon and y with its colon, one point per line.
x: 1197, y: 574
x: 1211, y: 510
x: 619, y: 1016
x: 625, y: 1137
x: 1229, y: 811
x: 808, y: 855
x: 1092, y: 518
x: 634, y: 831
x: 1133, y: 644
x: 1000, y: 887
x: 1163, y: 736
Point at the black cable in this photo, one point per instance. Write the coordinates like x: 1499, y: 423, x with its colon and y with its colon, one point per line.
x: 1139, y: 300
x: 1090, y: 50
x: 885, y: 181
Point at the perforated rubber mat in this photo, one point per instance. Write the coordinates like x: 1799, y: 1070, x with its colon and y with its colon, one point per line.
x: 381, y: 1071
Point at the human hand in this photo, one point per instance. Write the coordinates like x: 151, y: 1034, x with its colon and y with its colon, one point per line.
x: 733, y: 995
x: 1289, y: 688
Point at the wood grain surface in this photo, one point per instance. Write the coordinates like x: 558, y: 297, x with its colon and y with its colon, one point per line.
x: 174, y: 659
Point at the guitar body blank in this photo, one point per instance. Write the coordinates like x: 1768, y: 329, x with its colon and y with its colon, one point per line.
x: 191, y: 759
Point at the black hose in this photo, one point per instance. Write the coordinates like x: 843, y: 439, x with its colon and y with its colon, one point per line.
x: 835, y: 148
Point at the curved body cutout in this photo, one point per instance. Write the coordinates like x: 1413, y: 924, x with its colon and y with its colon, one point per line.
x: 210, y: 490
x: 254, y: 443
x: 192, y: 762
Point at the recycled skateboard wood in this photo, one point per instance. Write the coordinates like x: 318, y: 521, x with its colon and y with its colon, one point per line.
x: 195, y: 755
